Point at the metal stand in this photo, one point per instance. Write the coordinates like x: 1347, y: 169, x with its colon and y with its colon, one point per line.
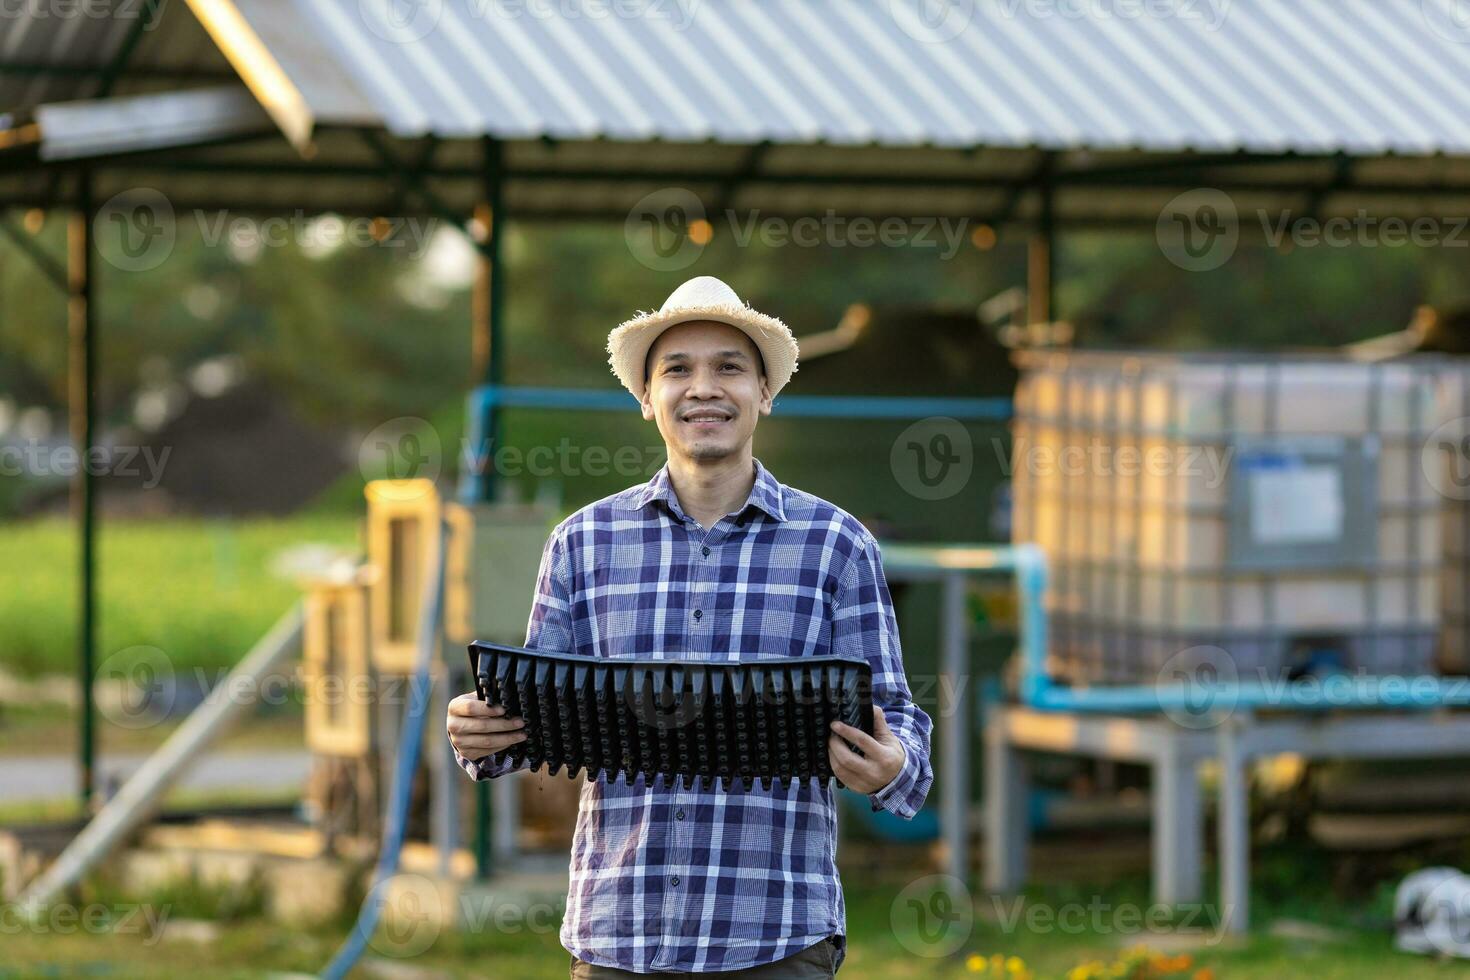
x: 952, y: 566
x: 444, y: 773
x: 1174, y: 754
x: 939, y: 564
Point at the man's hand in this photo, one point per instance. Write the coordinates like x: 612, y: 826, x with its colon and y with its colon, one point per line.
x: 477, y: 729
x: 882, y: 757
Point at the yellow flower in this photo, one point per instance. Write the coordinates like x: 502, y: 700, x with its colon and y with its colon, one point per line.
x: 1014, y: 965
x: 975, y: 963
x: 1165, y: 965
x: 1204, y: 973
x: 1090, y: 970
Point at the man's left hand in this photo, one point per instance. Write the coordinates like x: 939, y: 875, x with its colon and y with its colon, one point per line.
x: 882, y: 757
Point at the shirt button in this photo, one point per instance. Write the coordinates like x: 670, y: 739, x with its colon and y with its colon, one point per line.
x: 699, y: 614
x: 704, y: 551
x: 679, y: 815
x: 674, y: 880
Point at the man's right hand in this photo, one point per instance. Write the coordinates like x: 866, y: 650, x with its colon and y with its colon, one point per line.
x: 477, y: 729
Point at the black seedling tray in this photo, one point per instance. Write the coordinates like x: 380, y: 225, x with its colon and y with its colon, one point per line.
x: 689, y: 721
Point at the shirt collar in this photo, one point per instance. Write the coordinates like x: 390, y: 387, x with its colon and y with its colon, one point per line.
x: 766, y: 494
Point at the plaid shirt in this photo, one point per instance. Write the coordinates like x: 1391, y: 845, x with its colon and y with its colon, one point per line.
x: 670, y: 879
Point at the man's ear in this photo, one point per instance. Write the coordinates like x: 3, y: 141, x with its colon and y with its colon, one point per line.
x: 646, y: 401
x: 765, y: 404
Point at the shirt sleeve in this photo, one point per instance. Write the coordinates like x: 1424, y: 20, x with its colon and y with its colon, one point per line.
x: 550, y: 629
x: 863, y: 625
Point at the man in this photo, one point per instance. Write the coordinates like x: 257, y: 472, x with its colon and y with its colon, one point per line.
x: 713, y: 559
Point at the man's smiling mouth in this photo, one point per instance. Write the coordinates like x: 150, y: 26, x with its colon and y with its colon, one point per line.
x: 706, y: 417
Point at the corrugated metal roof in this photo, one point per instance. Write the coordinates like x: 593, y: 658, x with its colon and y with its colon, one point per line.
x: 785, y: 108
x: 1360, y: 76
x: 133, y: 123
x: 56, y: 53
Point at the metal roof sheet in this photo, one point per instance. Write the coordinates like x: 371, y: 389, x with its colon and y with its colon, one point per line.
x: 1313, y: 76
x: 1360, y: 76
x: 788, y: 108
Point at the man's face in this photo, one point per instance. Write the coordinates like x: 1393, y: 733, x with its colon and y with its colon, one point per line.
x: 706, y: 389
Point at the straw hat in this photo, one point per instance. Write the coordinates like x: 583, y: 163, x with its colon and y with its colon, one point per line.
x: 701, y: 298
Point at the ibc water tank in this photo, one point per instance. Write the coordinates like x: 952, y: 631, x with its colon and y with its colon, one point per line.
x: 1275, y: 507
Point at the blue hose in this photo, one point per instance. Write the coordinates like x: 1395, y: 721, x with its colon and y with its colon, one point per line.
x: 406, y: 762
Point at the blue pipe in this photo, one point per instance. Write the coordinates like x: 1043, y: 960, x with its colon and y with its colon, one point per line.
x: 487, y: 397
x: 1335, y: 691
x: 404, y: 764
x: 997, y: 409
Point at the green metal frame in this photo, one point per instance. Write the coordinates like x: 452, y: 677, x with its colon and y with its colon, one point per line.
x: 82, y: 376
x: 494, y: 254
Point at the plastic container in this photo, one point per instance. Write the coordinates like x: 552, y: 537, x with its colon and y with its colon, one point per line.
x: 1447, y: 458
x: 1276, y: 508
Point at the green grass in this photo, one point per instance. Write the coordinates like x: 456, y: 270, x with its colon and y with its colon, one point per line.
x: 250, y: 946
x: 201, y: 591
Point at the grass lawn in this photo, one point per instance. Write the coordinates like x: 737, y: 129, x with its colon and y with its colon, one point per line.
x: 201, y: 591
x: 251, y: 947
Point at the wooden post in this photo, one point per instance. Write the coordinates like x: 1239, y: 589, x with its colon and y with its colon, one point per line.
x: 1040, y: 259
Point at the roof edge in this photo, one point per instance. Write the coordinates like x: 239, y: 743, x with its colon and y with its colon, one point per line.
x: 258, y: 69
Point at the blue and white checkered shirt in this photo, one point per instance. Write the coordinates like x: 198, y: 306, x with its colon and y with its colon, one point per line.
x: 670, y: 879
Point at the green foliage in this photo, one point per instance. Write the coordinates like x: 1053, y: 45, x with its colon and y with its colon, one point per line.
x: 363, y: 334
